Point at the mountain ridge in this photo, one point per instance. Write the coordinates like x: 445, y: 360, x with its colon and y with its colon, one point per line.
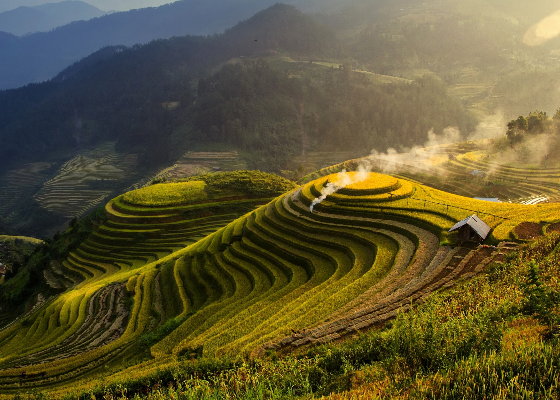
x: 25, y: 20
x: 41, y: 56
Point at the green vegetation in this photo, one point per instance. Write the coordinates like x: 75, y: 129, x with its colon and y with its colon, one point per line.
x: 476, y: 340
x: 20, y: 292
x: 233, y: 269
x: 21, y: 245
x: 251, y: 183
x: 113, y: 246
x: 188, y: 280
x: 167, y: 194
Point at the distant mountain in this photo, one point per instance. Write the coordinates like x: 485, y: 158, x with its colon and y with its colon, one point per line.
x: 120, y: 5
x: 45, y: 17
x: 39, y: 57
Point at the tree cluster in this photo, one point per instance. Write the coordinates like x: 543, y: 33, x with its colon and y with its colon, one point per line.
x: 535, y: 123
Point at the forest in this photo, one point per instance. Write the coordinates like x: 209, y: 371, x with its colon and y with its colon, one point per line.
x: 118, y: 93
x: 257, y: 108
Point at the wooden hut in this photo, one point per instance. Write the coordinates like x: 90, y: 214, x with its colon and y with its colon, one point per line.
x: 471, y: 229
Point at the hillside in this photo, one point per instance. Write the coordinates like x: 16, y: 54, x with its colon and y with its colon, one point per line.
x: 122, y: 115
x: 147, y: 76
x: 139, y: 110
x: 493, y: 334
x: 265, y: 213
x: 41, y: 56
x: 24, y: 20
x: 484, y: 50
x: 364, y: 253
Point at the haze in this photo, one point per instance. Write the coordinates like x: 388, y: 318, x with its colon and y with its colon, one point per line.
x: 545, y: 30
x: 105, y: 5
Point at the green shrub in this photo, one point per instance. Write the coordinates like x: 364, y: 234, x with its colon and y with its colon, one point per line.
x: 425, y: 340
x: 541, y: 301
x: 162, y: 331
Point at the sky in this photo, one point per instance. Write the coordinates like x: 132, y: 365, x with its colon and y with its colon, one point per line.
x: 105, y: 5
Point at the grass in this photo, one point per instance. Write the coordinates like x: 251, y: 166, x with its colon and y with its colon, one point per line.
x: 167, y: 194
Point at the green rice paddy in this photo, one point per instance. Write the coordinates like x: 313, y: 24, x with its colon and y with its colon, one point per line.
x: 241, y: 274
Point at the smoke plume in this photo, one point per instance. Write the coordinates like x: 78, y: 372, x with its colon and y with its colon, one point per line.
x: 343, y: 179
x: 490, y: 127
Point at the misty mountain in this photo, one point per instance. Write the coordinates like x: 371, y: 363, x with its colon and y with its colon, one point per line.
x: 120, y: 5
x: 255, y: 88
x: 7, y: 39
x: 118, y: 92
x: 114, y: 82
x: 45, y: 17
x: 40, y: 56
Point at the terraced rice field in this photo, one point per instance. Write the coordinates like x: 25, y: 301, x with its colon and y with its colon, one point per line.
x: 520, y: 184
x: 277, y: 278
x: 448, y: 167
x: 70, y: 193
x: 16, y: 183
x: 90, y: 324
x: 197, y: 163
x: 470, y: 91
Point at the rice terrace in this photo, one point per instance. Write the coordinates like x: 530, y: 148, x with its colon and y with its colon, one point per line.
x: 247, y: 264
x: 252, y: 200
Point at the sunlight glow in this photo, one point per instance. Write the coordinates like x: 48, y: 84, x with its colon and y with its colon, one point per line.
x: 545, y: 30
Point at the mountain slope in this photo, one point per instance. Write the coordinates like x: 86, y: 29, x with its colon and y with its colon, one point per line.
x: 41, y: 56
x: 45, y: 17
x: 144, y: 76
x: 120, y: 115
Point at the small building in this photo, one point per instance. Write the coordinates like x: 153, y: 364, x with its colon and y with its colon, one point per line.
x: 478, y: 174
x: 471, y: 229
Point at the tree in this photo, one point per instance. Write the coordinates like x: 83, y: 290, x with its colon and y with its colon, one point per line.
x: 556, y: 122
x: 538, y: 122
x: 516, y: 127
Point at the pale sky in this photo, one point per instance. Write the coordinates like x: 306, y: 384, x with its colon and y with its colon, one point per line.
x: 105, y: 5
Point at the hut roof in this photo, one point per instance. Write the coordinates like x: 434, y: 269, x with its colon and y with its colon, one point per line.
x: 475, y: 223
